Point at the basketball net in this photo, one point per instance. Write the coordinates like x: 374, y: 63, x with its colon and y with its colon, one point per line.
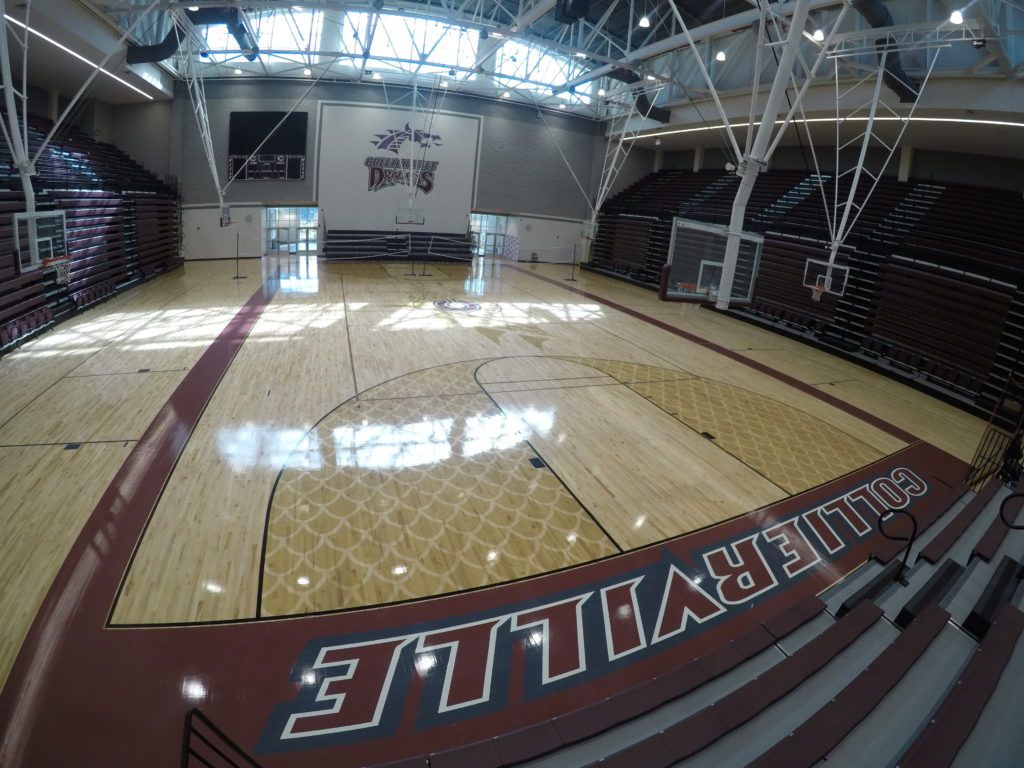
x: 816, y: 292
x: 62, y: 269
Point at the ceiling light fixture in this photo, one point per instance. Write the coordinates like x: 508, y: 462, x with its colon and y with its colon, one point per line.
x: 307, y: 71
x: 78, y: 56
x: 819, y: 36
x: 561, y: 106
x: 505, y: 95
x: 956, y: 17
x: 650, y: 77
x: 193, y: 8
x: 601, y: 92
x: 238, y: 71
x: 720, y: 56
x: 376, y: 75
x: 444, y: 83
x: 580, y: 55
x: 644, y: 22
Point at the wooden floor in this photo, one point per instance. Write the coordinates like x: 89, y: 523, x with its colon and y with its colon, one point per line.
x: 367, y: 446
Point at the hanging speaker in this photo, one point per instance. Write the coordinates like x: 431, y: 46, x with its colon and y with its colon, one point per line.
x: 571, y: 11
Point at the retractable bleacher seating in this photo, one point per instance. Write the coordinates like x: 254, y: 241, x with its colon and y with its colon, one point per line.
x: 123, y: 225
x: 935, y: 294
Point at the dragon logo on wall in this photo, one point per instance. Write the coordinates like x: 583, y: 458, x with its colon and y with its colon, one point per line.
x: 394, y: 139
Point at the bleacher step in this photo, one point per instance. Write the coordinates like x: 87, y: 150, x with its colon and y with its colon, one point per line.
x: 828, y: 727
x: 997, y: 738
x: 725, y: 734
x: 882, y: 581
x: 938, y: 586
x: 999, y: 591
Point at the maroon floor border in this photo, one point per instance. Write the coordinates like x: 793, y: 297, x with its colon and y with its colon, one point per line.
x: 90, y: 577
x: 808, y: 389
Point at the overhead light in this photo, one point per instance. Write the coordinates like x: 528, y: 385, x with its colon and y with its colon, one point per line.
x: 601, y: 92
x: 78, y: 56
x: 376, y: 75
x: 819, y: 36
x: 307, y: 71
x: 979, y: 43
x: 496, y: 34
x: 238, y: 71
x: 505, y: 95
x: 650, y: 77
x: 956, y: 17
x: 644, y: 22
x: 720, y: 56
x: 580, y: 55
x: 193, y: 8
x: 561, y: 106
x: 444, y: 83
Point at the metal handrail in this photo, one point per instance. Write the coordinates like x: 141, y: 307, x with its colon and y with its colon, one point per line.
x: 910, y: 540
x: 1002, y: 512
x: 187, y: 750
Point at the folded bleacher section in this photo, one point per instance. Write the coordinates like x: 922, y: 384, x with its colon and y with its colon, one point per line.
x: 123, y: 226
x: 936, y: 288
x: 353, y: 244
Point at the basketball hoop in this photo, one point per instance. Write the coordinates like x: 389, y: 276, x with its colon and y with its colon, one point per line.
x: 816, y: 292
x: 62, y: 269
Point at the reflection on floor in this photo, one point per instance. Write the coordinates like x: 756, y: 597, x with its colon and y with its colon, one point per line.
x: 442, y: 480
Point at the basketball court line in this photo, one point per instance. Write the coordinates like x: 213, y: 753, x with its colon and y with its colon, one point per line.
x: 89, y: 356
x: 348, y: 334
x: 124, y: 373
x: 69, y: 442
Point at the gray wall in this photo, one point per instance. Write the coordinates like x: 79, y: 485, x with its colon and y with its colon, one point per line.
x: 957, y: 168
x: 639, y: 163
x: 790, y: 158
x: 144, y: 132
x: 521, y: 168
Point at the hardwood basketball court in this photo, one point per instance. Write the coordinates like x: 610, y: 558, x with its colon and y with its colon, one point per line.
x: 366, y: 446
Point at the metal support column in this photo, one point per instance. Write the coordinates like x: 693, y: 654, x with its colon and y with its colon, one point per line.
x: 756, y: 161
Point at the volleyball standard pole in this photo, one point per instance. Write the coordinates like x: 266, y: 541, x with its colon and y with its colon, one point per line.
x: 572, y: 279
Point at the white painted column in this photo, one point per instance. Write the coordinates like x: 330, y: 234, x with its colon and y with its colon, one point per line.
x: 906, y: 162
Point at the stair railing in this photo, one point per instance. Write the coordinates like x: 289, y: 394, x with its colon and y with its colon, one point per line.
x: 888, y: 515
x: 227, y: 750
x: 1002, y: 512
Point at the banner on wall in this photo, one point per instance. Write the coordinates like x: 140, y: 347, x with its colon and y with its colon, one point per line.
x: 382, y: 168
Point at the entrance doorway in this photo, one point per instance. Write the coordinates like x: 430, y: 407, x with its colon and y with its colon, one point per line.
x: 293, y: 230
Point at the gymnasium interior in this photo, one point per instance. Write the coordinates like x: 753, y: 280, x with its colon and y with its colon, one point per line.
x: 499, y: 383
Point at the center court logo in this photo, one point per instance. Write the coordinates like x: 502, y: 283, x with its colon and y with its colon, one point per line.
x: 392, y: 171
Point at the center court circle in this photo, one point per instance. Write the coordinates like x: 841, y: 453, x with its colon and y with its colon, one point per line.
x: 455, y: 305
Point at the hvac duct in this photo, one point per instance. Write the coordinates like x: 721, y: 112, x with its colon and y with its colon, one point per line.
x: 204, y: 17
x: 643, y: 103
x: 876, y: 13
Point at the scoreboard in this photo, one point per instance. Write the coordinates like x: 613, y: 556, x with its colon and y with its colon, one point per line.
x: 268, y: 167
x: 278, y: 138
